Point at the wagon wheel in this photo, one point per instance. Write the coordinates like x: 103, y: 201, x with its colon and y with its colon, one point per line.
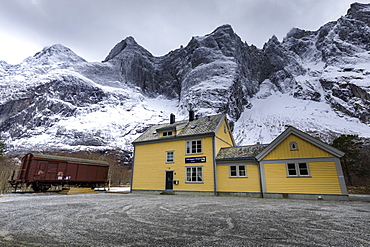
x: 44, y: 187
x: 40, y: 187
x: 36, y: 187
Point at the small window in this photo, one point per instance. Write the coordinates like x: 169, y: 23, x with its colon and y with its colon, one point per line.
x: 167, y: 133
x: 194, y: 147
x: 298, y: 170
x: 238, y: 171
x: 293, y: 146
x: 303, y: 169
x: 170, y: 157
x: 194, y: 174
x: 292, y: 169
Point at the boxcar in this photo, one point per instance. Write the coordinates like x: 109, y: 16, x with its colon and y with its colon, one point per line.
x: 42, y: 171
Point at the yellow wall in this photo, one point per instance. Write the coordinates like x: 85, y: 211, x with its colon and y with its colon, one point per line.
x: 323, y: 175
x: 150, y: 163
x: 323, y: 180
x: 150, y: 166
x: 305, y: 150
x: 223, y: 138
x: 248, y: 184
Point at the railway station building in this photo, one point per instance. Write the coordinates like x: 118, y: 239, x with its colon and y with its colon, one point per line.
x: 200, y: 156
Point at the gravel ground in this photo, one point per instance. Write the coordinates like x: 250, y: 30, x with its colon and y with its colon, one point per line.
x: 112, y: 219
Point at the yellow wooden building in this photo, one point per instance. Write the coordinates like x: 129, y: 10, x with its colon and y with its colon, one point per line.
x: 180, y: 156
x: 199, y: 155
x: 294, y: 165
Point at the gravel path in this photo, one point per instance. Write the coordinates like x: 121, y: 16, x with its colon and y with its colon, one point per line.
x: 111, y: 219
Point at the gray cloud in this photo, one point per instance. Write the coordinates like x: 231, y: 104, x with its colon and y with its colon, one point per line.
x: 92, y: 27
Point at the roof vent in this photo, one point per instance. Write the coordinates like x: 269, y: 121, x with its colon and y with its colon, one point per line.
x: 191, y: 115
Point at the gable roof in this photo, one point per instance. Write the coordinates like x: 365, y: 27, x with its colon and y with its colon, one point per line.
x: 241, y: 152
x: 201, y: 126
x: 291, y: 130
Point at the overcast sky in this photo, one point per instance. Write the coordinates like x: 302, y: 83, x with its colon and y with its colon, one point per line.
x: 91, y: 28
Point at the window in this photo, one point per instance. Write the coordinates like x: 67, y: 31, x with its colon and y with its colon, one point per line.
x: 167, y: 133
x: 293, y: 146
x: 238, y: 171
x: 194, y: 147
x: 169, y: 156
x: 194, y: 174
x: 298, y: 170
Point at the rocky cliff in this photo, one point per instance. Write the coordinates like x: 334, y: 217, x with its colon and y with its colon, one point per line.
x: 318, y: 81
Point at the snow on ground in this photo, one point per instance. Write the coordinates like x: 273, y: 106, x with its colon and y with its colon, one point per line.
x: 270, y: 116
x: 115, y: 189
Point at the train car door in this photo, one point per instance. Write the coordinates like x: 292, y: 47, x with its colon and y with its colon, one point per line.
x: 40, y: 172
x: 61, y: 171
x: 51, y: 171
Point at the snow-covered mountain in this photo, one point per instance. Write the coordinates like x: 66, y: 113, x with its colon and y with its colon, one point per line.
x: 317, y: 81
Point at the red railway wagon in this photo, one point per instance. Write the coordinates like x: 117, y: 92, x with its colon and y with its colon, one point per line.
x: 42, y: 171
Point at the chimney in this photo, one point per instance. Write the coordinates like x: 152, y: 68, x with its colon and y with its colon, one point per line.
x: 172, y: 118
x: 191, y: 115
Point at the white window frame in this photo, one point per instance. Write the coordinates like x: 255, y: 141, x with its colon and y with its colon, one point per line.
x: 189, y: 146
x: 167, y: 156
x: 293, y: 146
x: 298, y: 170
x: 167, y: 133
x: 238, y: 171
x: 198, y: 174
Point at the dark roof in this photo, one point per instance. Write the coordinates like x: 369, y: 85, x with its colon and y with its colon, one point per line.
x: 241, y: 152
x: 201, y: 126
x: 70, y: 159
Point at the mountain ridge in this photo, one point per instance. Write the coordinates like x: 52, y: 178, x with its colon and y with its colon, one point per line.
x: 58, y: 100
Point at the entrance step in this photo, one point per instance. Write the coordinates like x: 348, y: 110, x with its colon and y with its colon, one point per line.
x: 167, y: 192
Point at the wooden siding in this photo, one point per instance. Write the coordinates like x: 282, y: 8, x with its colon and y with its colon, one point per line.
x: 150, y: 166
x: 323, y: 179
x: 305, y: 150
x: 248, y: 184
x: 223, y: 137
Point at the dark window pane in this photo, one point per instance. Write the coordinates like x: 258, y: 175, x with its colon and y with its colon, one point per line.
x: 193, y: 147
x: 200, y: 175
x: 303, y: 170
x: 188, y: 147
x: 193, y: 174
x: 199, y: 146
x: 242, y: 171
x: 233, y: 171
x: 291, y: 169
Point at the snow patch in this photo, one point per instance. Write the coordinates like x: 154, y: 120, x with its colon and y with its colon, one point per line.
x: 270, y: 116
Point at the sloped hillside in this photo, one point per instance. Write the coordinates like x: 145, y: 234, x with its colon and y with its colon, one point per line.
x: 317, y: 81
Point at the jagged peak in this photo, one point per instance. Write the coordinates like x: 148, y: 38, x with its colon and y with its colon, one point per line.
x: 298, y: 33
x: 50, y: 50
x: 359, y: 11
x: 129, y: 41
x: 226, y: 28
x: 54, y: 53
x: 272, y: 41
x: 119, y: 47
